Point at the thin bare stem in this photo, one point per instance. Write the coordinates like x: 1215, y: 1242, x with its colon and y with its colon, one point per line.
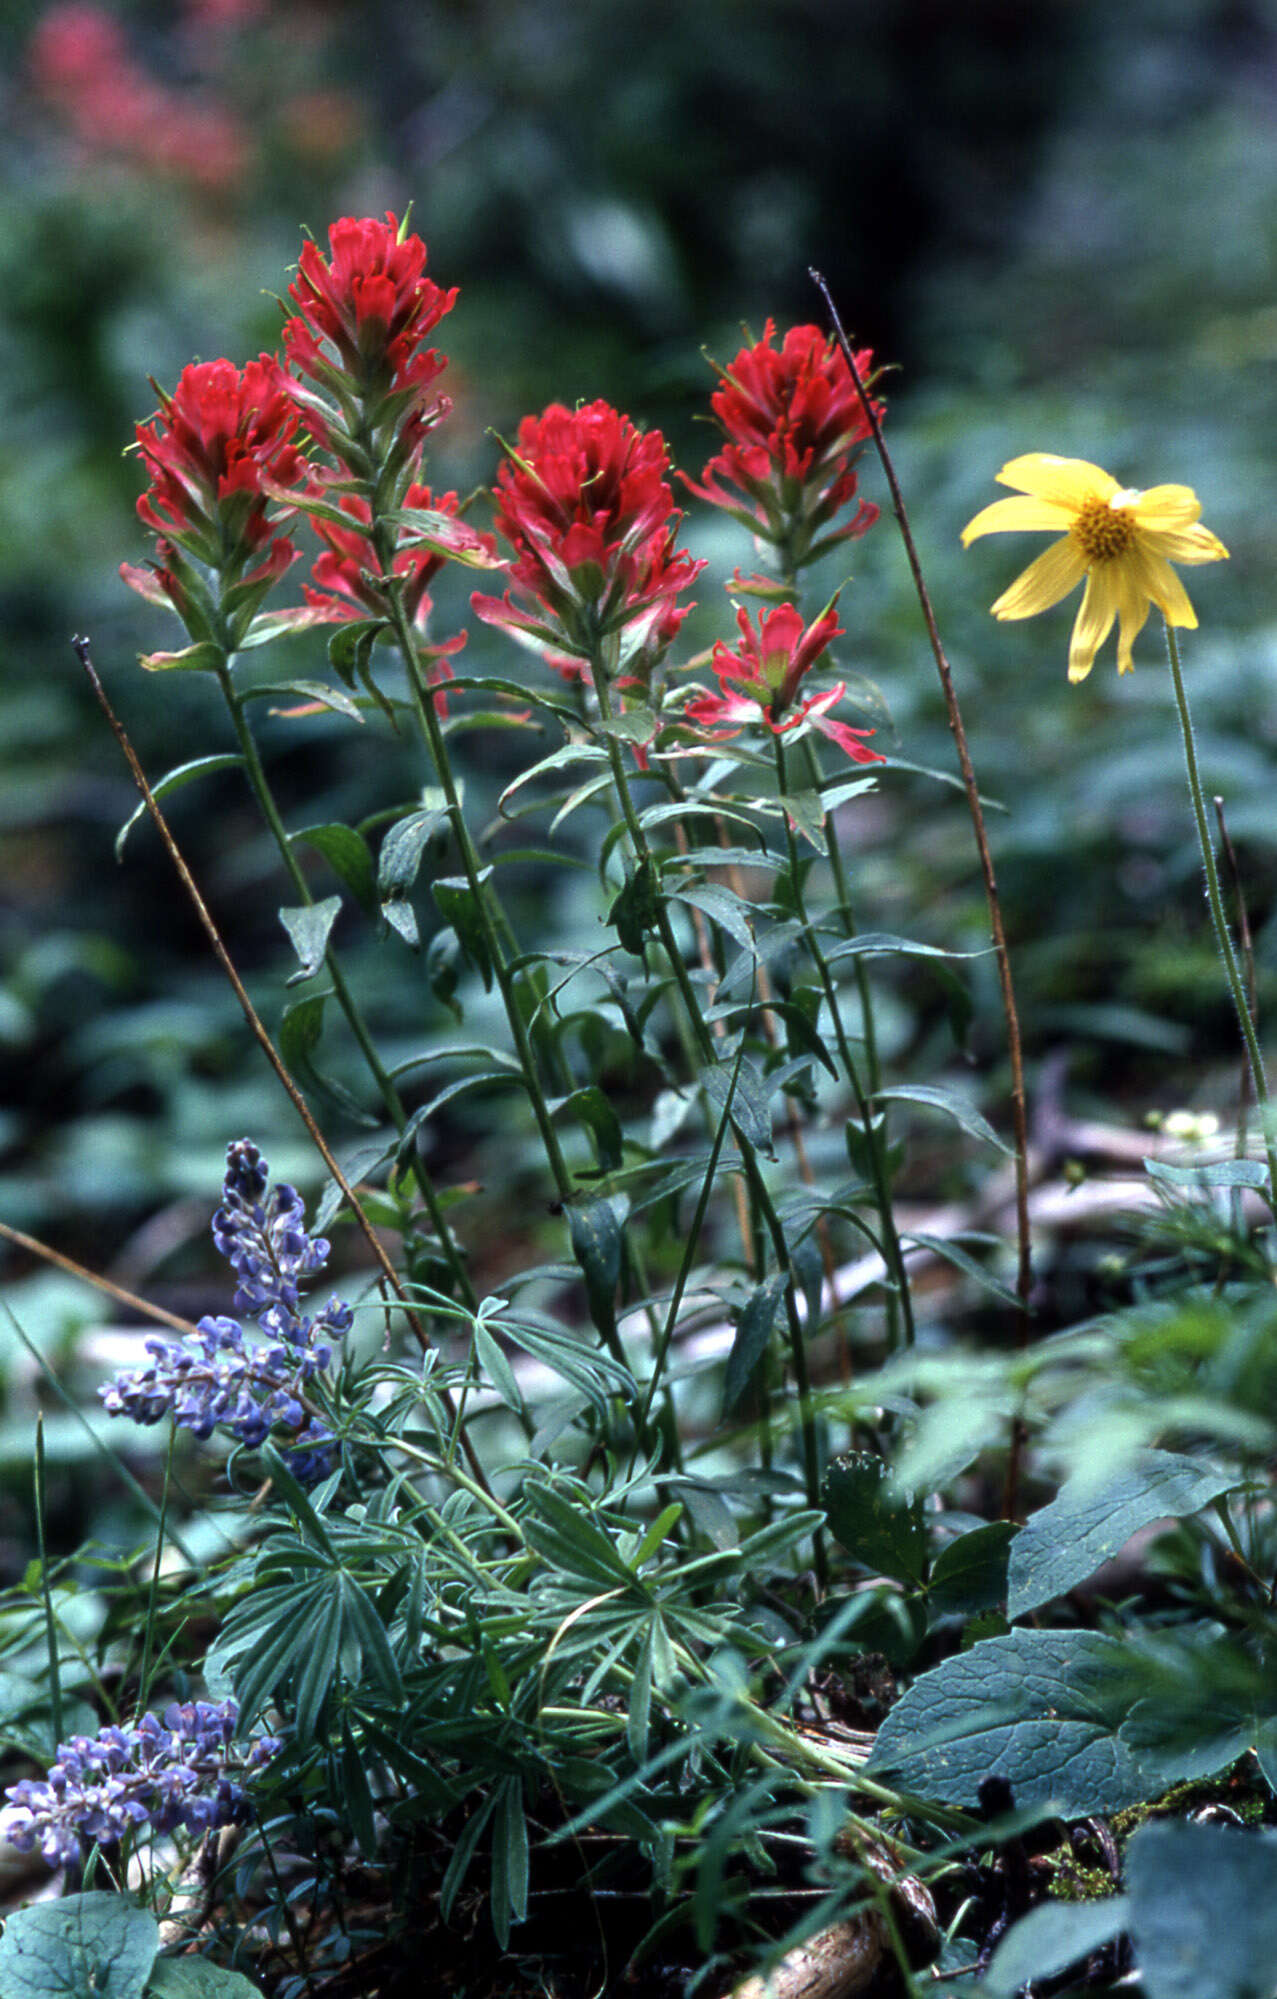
x: 74, y: 1269
x: 1019, y: 1112
x: 260, y: 1035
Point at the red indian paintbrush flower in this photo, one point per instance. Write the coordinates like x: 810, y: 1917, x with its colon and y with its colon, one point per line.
x: 363, y: 314
x: 585, y: 502
x: 793, y: 423
x: 217, y: 451
x: 761, y: 677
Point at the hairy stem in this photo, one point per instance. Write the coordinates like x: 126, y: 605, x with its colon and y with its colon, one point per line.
x: 1214, y: 897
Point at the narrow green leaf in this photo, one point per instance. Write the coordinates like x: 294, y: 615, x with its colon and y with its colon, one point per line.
x: 722, y: 907
x: 950, y: 1103
x: 746, y: 1102
x: 596, y: 1244
x: 402, y: 847
x: 459, y: 910
x: 311, y: 690
x: 204, y: 657
x: 348, y: 855
x: 592, y: 1108
x: 308, y: 926
x: 1219, y: 1173
x: 753, y: 1332
x: 173, y: 780
x: 317, y: 1665
x: 300, y: 1029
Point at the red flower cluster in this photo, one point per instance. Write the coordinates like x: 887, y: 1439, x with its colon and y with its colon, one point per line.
x: 793, y: 423
x: 373, y: 305
x: 760, y: 679
x: 81, y: 64
x: 214, y: 450
x: 585, y: 502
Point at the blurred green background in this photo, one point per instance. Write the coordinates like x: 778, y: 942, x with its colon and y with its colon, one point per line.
x: 1058, y: 221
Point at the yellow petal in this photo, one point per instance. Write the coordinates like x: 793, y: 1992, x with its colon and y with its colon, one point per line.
x: 1132, y: 611
x: 1068, y: 482
x: 1094, y: 620
x: 1167, y: 507
x: 1158, y: 580
x: 1190, y: 544
x: 1004, y: 516
x: 1044, y: 582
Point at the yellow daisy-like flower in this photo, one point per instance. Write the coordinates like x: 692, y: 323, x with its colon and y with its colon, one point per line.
x: 1122, y: 541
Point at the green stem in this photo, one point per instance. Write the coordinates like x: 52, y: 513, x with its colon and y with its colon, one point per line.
x: 1213, y: 895
x: 893, y: 1253
x: 423, y: 699
x: 758, y: 1191
x: 390, y: 1096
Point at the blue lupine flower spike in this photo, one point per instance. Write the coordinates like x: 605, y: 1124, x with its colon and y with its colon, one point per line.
x: 216, y: 1378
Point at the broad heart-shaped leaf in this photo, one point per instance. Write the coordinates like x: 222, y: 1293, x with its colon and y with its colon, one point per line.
x: 308, y: 926
x: 173, y: 780
x: 1051, y: 1938
x: 970, y: 1573
x: 1040, y: 1708
x: 878, y: 1528
x: 196, y: 1978
x: 94, y: 1946
x: 1084, y: 1524
x: 1204, y: 1911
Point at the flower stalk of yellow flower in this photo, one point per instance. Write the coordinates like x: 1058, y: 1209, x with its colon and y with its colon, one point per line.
x: 1122, y: 541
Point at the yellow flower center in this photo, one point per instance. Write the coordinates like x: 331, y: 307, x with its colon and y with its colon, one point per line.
x: 1103, y: 530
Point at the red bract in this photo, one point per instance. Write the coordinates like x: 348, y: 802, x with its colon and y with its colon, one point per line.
x: 372, y: 303
x: 586, y: 504
x: 760, y: 678
x: 793, y: 423
x: 347, y: 571
x: 212, y: 450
